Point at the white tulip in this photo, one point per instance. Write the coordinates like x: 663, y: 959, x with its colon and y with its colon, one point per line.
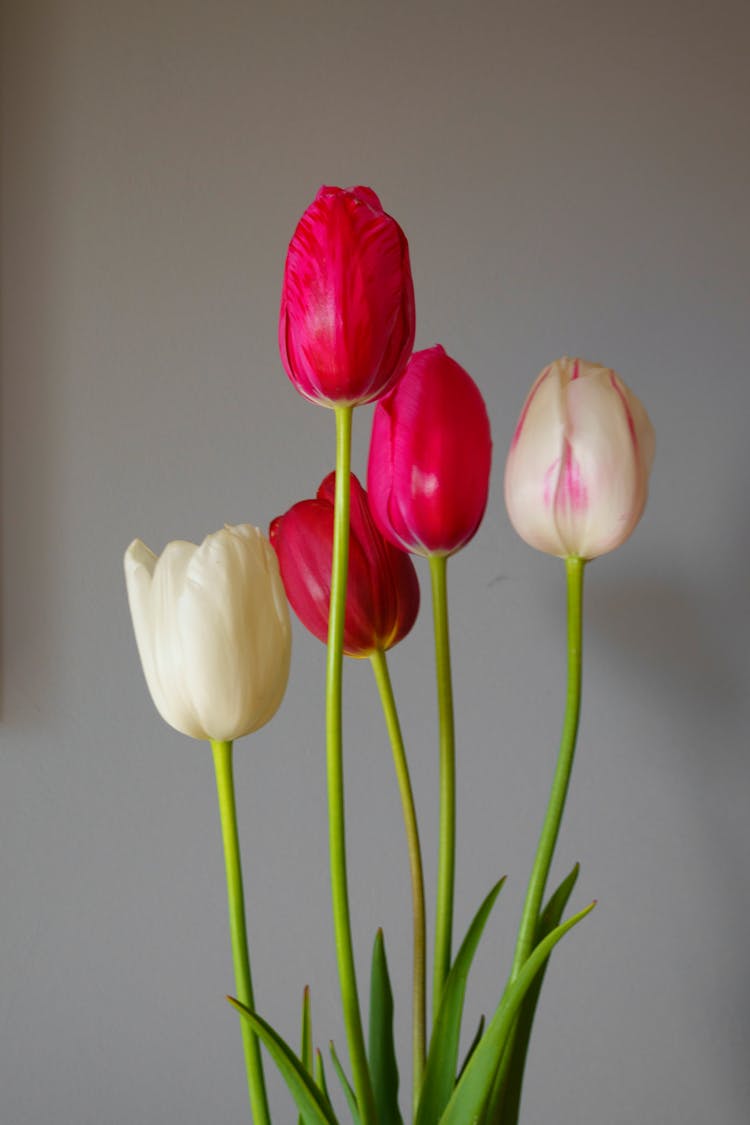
x: 213, y: 633
x: 576, y: 479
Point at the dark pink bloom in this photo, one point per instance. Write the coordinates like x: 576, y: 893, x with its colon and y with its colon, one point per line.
x: 382, y: 594
x: 430, y: 455
x: 346, y: 327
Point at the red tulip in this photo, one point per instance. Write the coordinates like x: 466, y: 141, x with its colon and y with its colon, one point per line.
x: 430, y: 454
x: 346, y: 327
x: 382, y: 593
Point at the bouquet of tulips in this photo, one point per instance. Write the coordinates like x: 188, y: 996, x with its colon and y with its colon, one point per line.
x: 213, y: 632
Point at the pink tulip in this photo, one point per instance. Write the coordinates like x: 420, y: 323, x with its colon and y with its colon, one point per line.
x: 346, y: 327
x: 430, y: 454
x: 576, y: 479
x: 382, y: 593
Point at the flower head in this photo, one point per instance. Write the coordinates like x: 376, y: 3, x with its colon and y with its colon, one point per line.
x: 382, y: 593
x: 576, y: 479
x: 430, y: 456
x: 346, y: 327
x: 213, y: 633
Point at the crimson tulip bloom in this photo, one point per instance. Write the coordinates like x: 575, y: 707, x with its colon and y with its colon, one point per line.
x: 382, y: 593
x: 430, y: 455
x: 346, y: 327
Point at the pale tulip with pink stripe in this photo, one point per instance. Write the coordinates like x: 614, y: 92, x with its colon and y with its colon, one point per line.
x: 576, y: 479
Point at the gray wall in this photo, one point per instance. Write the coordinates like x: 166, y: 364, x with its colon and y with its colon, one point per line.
x: 572, y: 177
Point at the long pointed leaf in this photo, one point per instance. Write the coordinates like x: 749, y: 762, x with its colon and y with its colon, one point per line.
x: 473, y: 1046
x: 381, y: 1050
x: 320, y: 1076
x: 505, y: 1102
x: 471, y: 1093
x: 346, y: 1086
x: 306, y: 1047
x: 305, y: 1053
x: 310, y: 1101
x: 442, y: 1058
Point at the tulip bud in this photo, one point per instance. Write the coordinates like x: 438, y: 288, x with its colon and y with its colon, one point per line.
x: 382, y: 592
x: 430, y: 455
x: 576, y: 479
x: 346, y: 327
x: 213, y: 633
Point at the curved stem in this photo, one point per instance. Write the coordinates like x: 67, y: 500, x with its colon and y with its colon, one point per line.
x: 222, y: 753
x: 447, y: 841
x: 551, y: 826
x: 335, y: 774
x: 383, y: 679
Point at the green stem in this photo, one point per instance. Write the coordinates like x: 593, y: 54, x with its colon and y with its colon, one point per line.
x: 383, y: 679
x: 551, y: 826
x: 335, y: 772
x: 222, y: 752
x: 502, y: 1108
x: 447, y: 840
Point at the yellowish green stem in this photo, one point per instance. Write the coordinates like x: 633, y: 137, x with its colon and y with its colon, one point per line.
x: 499, y: 1111
x: 553, y: 817
x: 335, y: 773
x: 383, y: 679
x: 447, y: 840
x: 222, y: 753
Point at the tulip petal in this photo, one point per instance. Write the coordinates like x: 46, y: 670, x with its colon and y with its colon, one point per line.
x: 430, y: 455
x: 393, y: 582
x: 382, y: 597
x: 534, y: 462
x: 154, y: 589
x: 576, y: 478
x: 301, y: 539
x: 346, y: 325
x: 604, y: 447
x: 140, y: 563
x: 212, y: 629
x: 235, y: 645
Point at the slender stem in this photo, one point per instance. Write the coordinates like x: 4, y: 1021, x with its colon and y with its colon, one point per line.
x: 383, y: 679
x: 335, y: 772
x: 447, y: 843
x: 222, y: 752
x: 551, y: 826
x: 499, y: 1110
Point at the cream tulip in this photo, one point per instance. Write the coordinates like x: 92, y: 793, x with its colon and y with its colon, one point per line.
x: 213, y: 632
x: 576, y: 478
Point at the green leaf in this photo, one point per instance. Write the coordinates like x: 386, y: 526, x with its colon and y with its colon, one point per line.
x: 320, y: 1076
x: 442, y: 1058
x: 473, y: 1047
x: 346, y: 1086
x: 381, y: 1050
x: 310, y: 1102
x: 305, y: 1053
x: 505, y: 1103
x: 306, y: 1048
x: 471, y: 1093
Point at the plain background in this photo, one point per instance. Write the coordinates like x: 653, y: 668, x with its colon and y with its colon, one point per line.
x: 573, y: 178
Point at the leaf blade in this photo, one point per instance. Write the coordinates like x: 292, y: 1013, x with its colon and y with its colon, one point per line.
x: 442, y: 1057
x: 305, y: 1052
x: 381, y: 1049
x: 505, y: 1106
x: 467, y: 1102
x: 351, y: 1097
x: 320, y: 1076
x: 306, y: 1094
